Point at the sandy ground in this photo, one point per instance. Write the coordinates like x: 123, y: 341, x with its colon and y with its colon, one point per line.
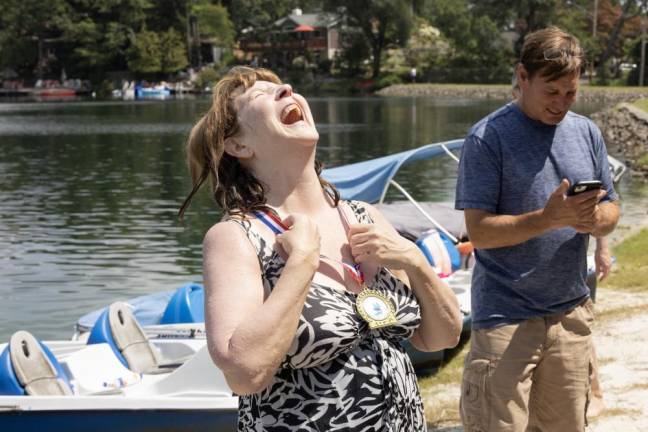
x: 623, y: 362
x: 621, y: 342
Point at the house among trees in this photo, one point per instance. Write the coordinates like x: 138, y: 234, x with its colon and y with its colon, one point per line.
x: 313, y: 36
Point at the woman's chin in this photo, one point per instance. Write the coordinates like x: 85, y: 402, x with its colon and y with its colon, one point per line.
x: 303, y: 133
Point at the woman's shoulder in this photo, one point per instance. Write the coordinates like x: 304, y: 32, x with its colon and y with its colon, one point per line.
x: 231, y: 229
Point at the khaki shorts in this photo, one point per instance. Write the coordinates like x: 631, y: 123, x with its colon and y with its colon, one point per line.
x: 532, y: 376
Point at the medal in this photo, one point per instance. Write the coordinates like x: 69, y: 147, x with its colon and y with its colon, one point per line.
x: 373, y: 306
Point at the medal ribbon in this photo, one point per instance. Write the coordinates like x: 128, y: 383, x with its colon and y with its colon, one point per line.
x: 278, y: 227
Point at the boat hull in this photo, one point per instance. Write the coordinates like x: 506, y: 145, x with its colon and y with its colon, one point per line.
x: 119, y: 420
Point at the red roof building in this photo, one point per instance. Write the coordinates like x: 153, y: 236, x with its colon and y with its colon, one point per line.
x: 315, y: 35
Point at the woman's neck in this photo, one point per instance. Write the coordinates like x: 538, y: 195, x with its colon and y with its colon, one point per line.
x: 293, y: 186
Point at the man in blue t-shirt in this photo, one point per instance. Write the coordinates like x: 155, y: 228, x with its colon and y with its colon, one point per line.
x: 528, y: 365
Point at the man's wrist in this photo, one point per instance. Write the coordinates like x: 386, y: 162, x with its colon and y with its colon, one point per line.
x: 544, y: 221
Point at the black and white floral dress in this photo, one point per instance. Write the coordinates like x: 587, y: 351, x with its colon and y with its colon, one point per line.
x: 338, y: 375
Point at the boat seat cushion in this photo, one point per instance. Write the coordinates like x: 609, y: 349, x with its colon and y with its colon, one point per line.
x: 130, y: 339
x: 436, y: 251
x: 34, y: 368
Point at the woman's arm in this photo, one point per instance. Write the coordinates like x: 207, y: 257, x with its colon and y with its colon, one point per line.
x: 248, y: 336
x: 441, y: 319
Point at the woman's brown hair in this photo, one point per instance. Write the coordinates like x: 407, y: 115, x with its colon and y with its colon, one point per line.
x: 553, y: 53
x: 235, y: 189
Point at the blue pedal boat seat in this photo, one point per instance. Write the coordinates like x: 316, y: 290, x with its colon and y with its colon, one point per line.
x: 186, y: 306
x: 28, y: 367
x: 117, y: 327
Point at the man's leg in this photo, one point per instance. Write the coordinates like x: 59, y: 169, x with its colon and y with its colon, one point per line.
x: 497, y: 377
x: 561, y: 381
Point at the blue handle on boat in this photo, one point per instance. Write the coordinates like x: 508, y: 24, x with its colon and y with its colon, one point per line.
x: 186, y: 306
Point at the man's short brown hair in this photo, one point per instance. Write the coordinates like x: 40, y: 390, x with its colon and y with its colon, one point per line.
x: 553, y: 53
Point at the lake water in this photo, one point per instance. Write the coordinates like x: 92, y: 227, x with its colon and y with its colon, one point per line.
x: 89, y: 193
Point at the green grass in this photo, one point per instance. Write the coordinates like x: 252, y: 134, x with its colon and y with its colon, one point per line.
x: 642, y: 162
x: 451, y: 370
x: 642, y: 104
x: 439, y: 412
x: 631, y: 270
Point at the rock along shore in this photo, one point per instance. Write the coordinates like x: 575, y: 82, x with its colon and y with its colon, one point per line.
x: 625, y: 129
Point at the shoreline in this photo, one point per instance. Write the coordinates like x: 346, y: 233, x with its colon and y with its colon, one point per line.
x: 606, y: 95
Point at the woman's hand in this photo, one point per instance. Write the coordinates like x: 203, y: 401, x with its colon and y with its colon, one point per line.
x: 375, y: 244
x: 302, y: 240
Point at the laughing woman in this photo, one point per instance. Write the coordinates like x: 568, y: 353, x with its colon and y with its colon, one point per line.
x: 307, y: 297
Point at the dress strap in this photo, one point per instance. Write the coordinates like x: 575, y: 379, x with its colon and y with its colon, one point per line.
x: 258, y: 243
x: 360, y: 212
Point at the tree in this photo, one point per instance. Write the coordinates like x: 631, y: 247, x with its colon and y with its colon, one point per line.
x: 173, y: 52
x: 98, y: 36
x: 355, y: 50
x: 145, y: 53
x: 478, y: 51
x: 209, y: 22
x: 616, y: 18
x: 577, y: 17
x: 26, y: 30
x: 381, y: 22
x: 426, y: 46
x: 214, y: 22
x: 524, y: 16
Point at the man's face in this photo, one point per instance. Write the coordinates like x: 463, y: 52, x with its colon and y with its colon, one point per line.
x: 547, y: 101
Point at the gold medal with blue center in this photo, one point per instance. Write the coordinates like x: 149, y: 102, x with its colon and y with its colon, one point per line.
x: 376, y: 309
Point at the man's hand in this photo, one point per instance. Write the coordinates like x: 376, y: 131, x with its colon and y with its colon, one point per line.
x: 602, y: 258
x: 578, y: 211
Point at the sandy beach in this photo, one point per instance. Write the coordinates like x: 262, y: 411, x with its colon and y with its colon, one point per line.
x: 621, y: 344
x: 620, y: 336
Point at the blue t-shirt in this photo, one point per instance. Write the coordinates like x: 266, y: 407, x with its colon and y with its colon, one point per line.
x: 510, y: 165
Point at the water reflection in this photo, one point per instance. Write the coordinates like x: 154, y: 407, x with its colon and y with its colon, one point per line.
x: 90, y: 193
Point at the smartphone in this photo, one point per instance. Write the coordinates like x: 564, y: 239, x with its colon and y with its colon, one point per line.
x: 584, y: 186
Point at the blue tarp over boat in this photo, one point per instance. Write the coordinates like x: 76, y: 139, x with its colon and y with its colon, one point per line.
x: 368, y: 180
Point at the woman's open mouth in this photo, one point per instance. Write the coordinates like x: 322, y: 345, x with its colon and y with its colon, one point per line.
x: 291, y: 114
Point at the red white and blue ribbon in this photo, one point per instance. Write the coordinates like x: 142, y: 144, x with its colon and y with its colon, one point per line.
x: 272, y: 221
x: 278, y: 227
